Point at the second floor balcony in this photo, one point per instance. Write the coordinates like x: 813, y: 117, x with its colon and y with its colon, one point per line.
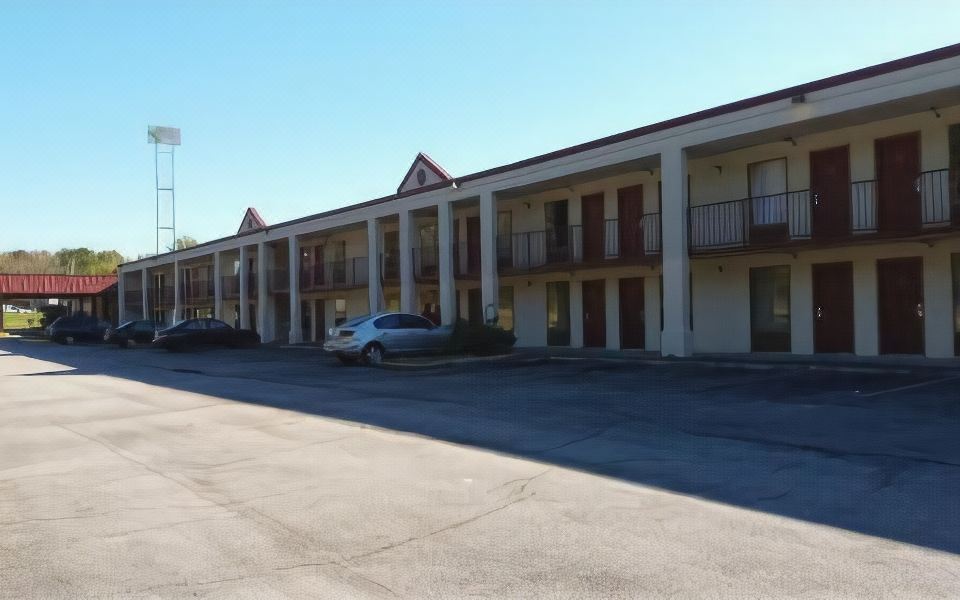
x: 866, y: 209
x: 334, y: 275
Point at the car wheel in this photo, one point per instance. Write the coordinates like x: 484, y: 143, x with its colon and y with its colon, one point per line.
x: 130, y: 343
x: 69, y: 340
x: 373, y: 354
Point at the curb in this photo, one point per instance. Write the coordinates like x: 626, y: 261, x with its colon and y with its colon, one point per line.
x: 452, y: 362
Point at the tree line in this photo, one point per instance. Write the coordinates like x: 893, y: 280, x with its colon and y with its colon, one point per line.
x: 68, y: 261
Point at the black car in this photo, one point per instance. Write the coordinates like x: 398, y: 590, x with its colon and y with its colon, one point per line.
x: 131, y: 333
x: 204, y: 332
x: 78, y: 327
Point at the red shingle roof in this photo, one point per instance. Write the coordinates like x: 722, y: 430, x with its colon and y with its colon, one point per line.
x: 55, y: 286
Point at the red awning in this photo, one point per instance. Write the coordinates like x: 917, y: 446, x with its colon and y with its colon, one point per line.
x: 55, y: 286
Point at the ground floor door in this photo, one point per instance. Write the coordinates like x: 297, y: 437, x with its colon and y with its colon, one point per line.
x: 475, y: 306
x: 770, y: 309
x: 632, y: 326
x: 900, y: 303
x: 320, y: 330
x: 594, y: 313
x: 833, y: 307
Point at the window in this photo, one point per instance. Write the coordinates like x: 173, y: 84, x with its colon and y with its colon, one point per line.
x: 214, y: 324
x: 558, y: 313
x: 388, y: 322
x: 555, y: 218
x: 193, y: 325
x: 393, y: 303
x: 340, y: 311
x: 504, y: 238
x: 505, y: 312
x: 768, y: 191
x: 414, y: 322
x: 770, y: 309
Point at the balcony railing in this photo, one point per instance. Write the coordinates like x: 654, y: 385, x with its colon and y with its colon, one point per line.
x: 426, y: 263
x: 335, y: 275
x: 230, y: 287
x: 196, y: 291
x: 787, y: 218
x: 278, y: 281
x: 390, y: 266
x: 161, y: 298
x: 636, y: 240
x: 133, y: 297
x: 466, y: 260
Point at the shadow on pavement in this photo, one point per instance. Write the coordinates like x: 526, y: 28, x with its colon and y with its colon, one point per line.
x: 874, y: 453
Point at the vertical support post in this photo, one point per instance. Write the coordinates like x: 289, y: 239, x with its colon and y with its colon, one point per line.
x: 374, y: 281
x: 244, y: 288
x: 408, y: 286
x: 177, y: 306
x: 121, y: 293
x: 217, y: 288
x: 677, y: 338
x: 489, y: 278
x: 296, y: 319
x: 448, y: 290
x: 145, y: 293
x: 263, y: 298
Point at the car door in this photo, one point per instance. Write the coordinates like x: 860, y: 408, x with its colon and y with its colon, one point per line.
x: 143, y: 332
x: 390, y: 333
x: 418, y: 333
x: 221, y: 333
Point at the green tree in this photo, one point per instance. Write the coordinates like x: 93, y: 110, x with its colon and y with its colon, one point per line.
x: 185, y: 241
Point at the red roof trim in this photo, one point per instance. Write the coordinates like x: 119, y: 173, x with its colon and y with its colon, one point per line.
x: 55, y: 285
x: 806, y: 88
x: 431, y: 164
x: 820, y: 84
x: 255, y: 216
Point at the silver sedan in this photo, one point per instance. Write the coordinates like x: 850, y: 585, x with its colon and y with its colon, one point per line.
x: 372, y: 337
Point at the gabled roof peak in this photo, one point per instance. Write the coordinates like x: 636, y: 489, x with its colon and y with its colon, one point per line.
x: 251, y: 220
x: 423, y: 172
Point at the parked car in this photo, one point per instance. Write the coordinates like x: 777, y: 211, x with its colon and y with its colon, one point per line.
x: 78, y: 327
x: 373, y: 337
x: 131, y: 333
x: 193, y: 333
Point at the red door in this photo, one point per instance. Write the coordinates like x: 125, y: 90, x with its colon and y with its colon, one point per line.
x: 630, y: 217
x: 833, y: 307
x: 898, y: 166
x: 473, y: 244
x: 830, y: 192
x: 591, y: 212
x: 594, y: 314
x: 632, y: 330
x: 900, y: 300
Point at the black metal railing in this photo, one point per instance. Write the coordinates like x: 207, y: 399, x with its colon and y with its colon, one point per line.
x: 611, y: 238
x: 651, y: 233
x: 466, y: 260
x: 335, y: 275
x: 132, y: 297
x: 863, y: 206
x: 278, y: 280
x: 193, y: 291
x: 161, y: 298
x: 934, y: 190
x: 426, y: 263
x: 760, y: 220
x: 230, y: 287
x: 390, y: 266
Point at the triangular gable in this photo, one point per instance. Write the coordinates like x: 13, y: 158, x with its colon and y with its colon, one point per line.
x: 423, y: 172
x: 251, y: 220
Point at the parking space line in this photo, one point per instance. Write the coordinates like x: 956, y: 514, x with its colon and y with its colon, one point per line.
x: 911, y: 386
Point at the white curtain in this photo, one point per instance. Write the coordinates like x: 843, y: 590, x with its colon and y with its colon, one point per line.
x: 768, y: 191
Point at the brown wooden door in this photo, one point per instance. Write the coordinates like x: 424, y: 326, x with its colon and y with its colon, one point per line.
x: 473, y: 244
x: 632, y: 326
x: 833, y: 307
x: 594, y: 314
x: 900, y: 300
x: 898, y: 166
x: 630, y: 218
x: 591, y: 214
x: 830, y: 192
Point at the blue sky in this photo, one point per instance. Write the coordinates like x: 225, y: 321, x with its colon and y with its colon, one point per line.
x: 298, y: 107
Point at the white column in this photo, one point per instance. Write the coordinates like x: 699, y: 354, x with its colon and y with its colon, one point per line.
x: 448, y: 289
x: 489, y: 279
x: 144, y: 289
x: 408, y: 286
x: 296, y: 326
x: 244, y: 288
x: 263, y: 296
x: 121, y: 292
x: 176, y: 293
x: 677, y: 338
x: 938, y: 304
x: 374, y: 291
x: 217, y: 288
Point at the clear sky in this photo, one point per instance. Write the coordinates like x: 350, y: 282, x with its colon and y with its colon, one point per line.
x: 299, y: 107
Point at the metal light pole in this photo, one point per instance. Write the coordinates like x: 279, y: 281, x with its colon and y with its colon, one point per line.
x: 168, y: 138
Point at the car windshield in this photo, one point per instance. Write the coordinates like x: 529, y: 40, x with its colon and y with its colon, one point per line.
x: 356, y: 321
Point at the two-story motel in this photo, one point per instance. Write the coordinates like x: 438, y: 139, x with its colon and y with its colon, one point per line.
x: 824, y: 218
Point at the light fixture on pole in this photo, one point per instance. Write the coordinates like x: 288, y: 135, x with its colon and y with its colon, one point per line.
x: 168, y: 138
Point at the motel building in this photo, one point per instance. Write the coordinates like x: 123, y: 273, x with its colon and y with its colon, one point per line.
x: 823, y: 218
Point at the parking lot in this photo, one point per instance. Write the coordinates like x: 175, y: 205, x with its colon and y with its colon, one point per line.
x: 279, y: 473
